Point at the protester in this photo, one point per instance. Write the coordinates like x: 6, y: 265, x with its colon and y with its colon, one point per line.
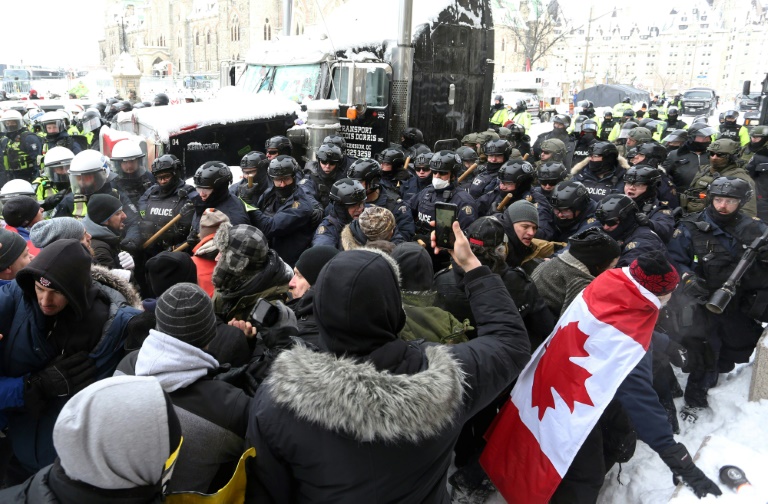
x: 14, y: 255
x: 305, y: 274
x: 374, y: 224
x: 48, y: 231
x: 205, y: 252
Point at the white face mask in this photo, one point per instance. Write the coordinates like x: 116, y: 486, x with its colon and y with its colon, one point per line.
x: 438, y: 183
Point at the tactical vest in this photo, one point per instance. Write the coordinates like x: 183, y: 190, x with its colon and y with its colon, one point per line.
x: 43, y: 188
x: 134, y: 189
x: 17, y: 161
x: 694, y: 199
x: 730, y: 133
x: 159, y: 211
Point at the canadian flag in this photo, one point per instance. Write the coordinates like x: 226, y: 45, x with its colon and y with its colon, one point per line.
x: 564, y: 389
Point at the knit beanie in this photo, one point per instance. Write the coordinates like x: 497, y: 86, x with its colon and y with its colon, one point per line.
x: 167, y: 269
x: 210, y: 221
x: 48, y: 231
x: 185, y: 312
x: 312, y: 260
x: 415, y: 265
x: 523, y: 211
x: 11, y: 247
x: 653, y: 271
x: 103, y: 206
x: 377, y: 223
x: 593, y: 247
x: 243, y: 249
x: 486, y: 232
x: 20, y: 210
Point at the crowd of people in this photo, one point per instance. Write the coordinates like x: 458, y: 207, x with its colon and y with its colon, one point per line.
x: 154, y: 330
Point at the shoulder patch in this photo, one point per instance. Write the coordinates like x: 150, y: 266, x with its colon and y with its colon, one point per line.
x: 467, y: 210
x: 477, y: 181
x: 677, y: 233
x: 756, y: 218
x: 321, y: 230
x: 295, y: 204
x: 591, y: 220
x: 631, y: 245
x: 302, y: 181
x: 667, y: 212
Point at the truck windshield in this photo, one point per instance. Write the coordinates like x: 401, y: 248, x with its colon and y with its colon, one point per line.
x: 376, y: 86
x: 295, y: 82
x: 697, y: 95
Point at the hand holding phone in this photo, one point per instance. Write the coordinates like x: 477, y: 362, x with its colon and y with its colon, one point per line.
x: 445, y: 215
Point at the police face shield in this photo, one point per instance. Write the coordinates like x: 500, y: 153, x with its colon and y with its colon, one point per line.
x: 87, y: 183
x: 705, y: 131
x: 58, y: 173
x: 91, y: 125
x: 130, y: 168
x: 10, y: 125
x: 624, y: 133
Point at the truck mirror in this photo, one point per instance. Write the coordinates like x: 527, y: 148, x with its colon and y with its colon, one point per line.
x: 745, y: 88
x: 451, y: 95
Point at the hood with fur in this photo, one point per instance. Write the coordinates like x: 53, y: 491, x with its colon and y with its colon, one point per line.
x: 622, y: 161
x: 350, y: 397
x: 124, y: 288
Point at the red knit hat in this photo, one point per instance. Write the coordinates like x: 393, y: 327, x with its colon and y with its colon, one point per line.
x: 654, y: 272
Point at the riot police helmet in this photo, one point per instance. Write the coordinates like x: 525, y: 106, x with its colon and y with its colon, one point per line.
x: 555, y: 147
x: 91, y: 121
x: 392, y: 156
x: 551, y: 173
x: 11, y: 121
x: 563, y: 119
x: 467, y: 154
x: 336, y: 140
x: 654, y: 153
x: 615, y: 208
x: 367, y: 171
x: 278, y: 144
x: 643, y: 174
x: 214, y: 175
x: 497, y: 148
x: 128, y: 159
x: 57, y: 161
x: 283, y: 167
x: 607, y: 150
x: 412, y: 136
x: 518, y: 172
x: 160, y: 100
x: 347, y: 192
x: 446, y: 161
x: 730, y: 187
x: 88, y: 172
x: 253, y: 160
x: 51, y: 118
x: 329, y: 153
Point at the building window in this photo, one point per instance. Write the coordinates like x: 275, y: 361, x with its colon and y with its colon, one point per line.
x: 235, y: 30
x: 267, y: 30
x: 503, y: 44
x: 207, y: 37
x: 197, y: 38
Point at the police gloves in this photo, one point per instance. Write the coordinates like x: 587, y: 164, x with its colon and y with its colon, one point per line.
x: 681, y: 463
x: 64, y: 377
x: 130, y: 246
x: 52, y: 201
x: 695, y: 287
x: 678, y: 355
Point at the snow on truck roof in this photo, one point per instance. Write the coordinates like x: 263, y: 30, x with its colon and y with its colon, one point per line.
x: 350, y: 26
x: 230, y: 106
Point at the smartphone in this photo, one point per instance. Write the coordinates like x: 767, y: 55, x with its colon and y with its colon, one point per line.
x: 445, y: 216
x: 264, y: 314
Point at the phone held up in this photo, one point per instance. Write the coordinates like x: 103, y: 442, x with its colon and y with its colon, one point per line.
x: 445, y: 215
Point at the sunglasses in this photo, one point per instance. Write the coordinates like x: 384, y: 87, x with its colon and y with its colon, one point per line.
x: 718, y: 154
x: 272, y: 152
x: 609, y: 222
x: 548, y: 182
x: 421, y: 168
x: 162, y: 177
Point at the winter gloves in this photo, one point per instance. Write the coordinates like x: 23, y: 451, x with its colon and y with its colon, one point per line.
x: 64, y: 377
x: 695, y: 287
x: 681, y: 463
x: 126, y: 261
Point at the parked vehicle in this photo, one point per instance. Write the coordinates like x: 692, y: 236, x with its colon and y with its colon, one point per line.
x: 749, y: 102
x: 699, y: 101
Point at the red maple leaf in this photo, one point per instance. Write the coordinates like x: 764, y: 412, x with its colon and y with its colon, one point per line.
x: 556, y: 371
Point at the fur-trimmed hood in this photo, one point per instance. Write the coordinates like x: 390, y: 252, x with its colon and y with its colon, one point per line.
x: 623, y: 163
x: 350, y: 397
x: 348, y: 241
x: 105, y: 277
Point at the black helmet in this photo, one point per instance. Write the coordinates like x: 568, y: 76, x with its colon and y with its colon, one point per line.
x: 161, y: 99
x: 653, y: 113
x: 518, y: 172
x: 628, y: 114
x: 279, y: 143
x: 329, y: 153
x: 643, y: 174
x: 283, y: 166
x: 123, y: 106
x: 101, y: 107
x: 520, y: 106
x: 347, y: 192
x: 579, y: 122
x: 213, y: 175
x: 393, y: 156
x: 90, y: 121
x: 615, y: 208
x: 424, y: 158
x: 721, y: 117
x: 654, y: 153
x: 168, y: 163
x: 138, y: 105
x: 336, y: 140
x: 647, y: 122
x: 678, y: 135
x: 563, y: 119
x: 700, y: 129
x: 626, y: 100
x: 590, y: 125
x: 626, y: 128
x: 253, y: 160
x: 366, y: 170
x: 147, y: 103
x: 552, y: 173
x: 497, y: 148
x: 608, y: 113
x: 731, y: 114
x: 606, y: 149
x: 587, y: 107
x: 447, y: 161
x: 412, y: 136
x: 570, y: 194
x: 498, y: 98
x: 730, y: 187
x: 517, y: 131
x: 467, y: 154
x: 556, y: 147
x: 673, y: 112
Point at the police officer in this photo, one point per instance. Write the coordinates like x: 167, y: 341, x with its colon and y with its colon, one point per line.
x: 623, y: 106
x: 286, y: 215
x: 160, y: 100
x: 757, y: 167
x: 573, y: 209
x: 445, y: 166
x: 723, y: 162
x: 548, y: 175
x: 322, y: 174
x: 621, y: 220
x: 278, y: 146
x: 497, y: 153
x: 674, y: 139
x: 88, y: 176
x: 553, y: 151
x: 560, y: 124
x: 255, y: 180
x: 673, y: 122
x: 347, y: 203
x: 19, y: 149
x: 499, y: 115
x: 368, y: 172
x: 730, y: 129
x: 521, y: 116
x: 587, y: 108
x: 164, y: 200
x: 394, y: 174
x: 654, y: 154
x: 684, y: 163
x: 339, y: 142
x: 515, y: 180
x: 635, y: 138
x: 625, y: 117
x: 54, y: 185
x: 518, y: 139
x: 641, y: 183
x: 705, y: 249
x: 423, y: 175
x: 412, y: 142
x: 212, y: 180
x: 587, y: 136
x: 129, y: 162
x: 56, y: 133
x: 91, y: 124
x: 602, y: 172
x: 607, y: 125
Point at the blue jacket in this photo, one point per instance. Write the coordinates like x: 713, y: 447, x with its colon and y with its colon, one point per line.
x: 584, y: 221
x: 403, y: 218
x: 424, y: 204
x: 24, y: 349
x: 287, y: 224
x: 488, y: 203
x: 329, y: 231
x: 636, y: 243
x: 232, y: 207
x: 598, y: 187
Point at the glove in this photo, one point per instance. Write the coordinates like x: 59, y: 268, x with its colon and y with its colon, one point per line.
x: 695, y: 287
x: 681, y: 463
x: 64, y: 377
x: 247, y: 194
x: 642, y: 219
x: 678, y: 355
x: 126, y: 261
x: 122, y: 274
x: 130, y: 246
x: 51, y: 202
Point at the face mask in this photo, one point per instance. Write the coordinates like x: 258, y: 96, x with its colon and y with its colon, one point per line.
x: 597, y: 166
x: 440, y: 184
x: 286, y: 191
x: 699, y: 146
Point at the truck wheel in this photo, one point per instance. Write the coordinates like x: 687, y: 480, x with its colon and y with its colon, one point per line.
x: 544, y: 117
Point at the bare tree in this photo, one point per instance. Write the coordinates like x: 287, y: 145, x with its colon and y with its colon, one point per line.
x: 535, y: 27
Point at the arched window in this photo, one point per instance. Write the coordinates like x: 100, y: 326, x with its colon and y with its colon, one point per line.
x: 267, y: 30
x: 503, y: 44
x: 234, y: 31
x: 197, y: 38
x: 207, y: 36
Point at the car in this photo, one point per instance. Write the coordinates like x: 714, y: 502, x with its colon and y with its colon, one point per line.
x: 749, y: 102
x: 698, y: 101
